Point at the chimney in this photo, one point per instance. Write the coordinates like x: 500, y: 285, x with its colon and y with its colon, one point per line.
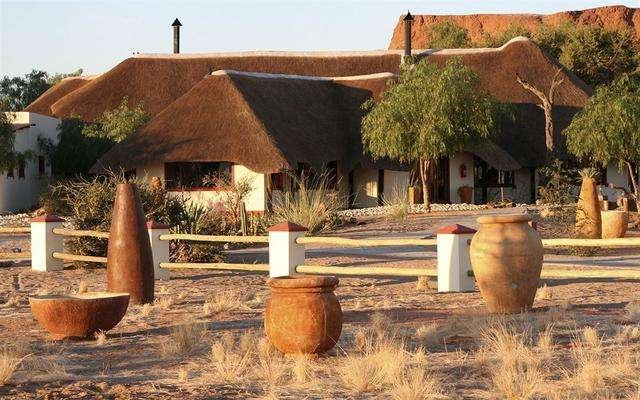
x: 176, y: 36
x: 408, y: 20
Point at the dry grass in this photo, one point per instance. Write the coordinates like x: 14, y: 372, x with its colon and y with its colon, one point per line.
x: 544, y: 293
x: 229, y: 301
x: 415, y: 384
x: 397, y: 205
x: 82, y: 287
x: 163, y: 303
x: 184, y: 339
x: 232, y: 359
x: 10, y: 359
x: 101, y: 338
x: 633, y: 311
x: 145, y: 310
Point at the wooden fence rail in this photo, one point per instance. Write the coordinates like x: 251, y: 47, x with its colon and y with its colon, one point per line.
x: 15, y: 256
x: 14, y: 229
x: 80, y: 233
x: 618, y: 242
x: 76, y: 257
x: 217, y: 266
x: 213, y: 238
x: 345, y: 242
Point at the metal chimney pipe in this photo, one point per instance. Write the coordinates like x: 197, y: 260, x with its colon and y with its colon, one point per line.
x: 408, y: 20
x: 176, y: 36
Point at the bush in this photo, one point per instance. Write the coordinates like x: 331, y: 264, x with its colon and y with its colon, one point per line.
x: 558, y: 184
x: 313, y: 205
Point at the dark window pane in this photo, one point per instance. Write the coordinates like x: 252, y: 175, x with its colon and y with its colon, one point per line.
x: 197, y: 175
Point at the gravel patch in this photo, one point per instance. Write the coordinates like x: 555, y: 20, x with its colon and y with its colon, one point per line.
x: 415, y: 209
x: 14, y: 220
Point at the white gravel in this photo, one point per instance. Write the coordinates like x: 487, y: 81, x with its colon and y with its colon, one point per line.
x: 14, y: 220
x: 415, y: 209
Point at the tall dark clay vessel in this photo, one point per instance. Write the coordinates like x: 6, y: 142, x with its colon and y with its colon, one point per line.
x: 129, y: 259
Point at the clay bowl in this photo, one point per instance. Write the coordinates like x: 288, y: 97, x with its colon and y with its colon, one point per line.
x: 79, y: 316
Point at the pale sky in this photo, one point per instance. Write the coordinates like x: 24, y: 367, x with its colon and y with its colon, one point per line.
x: 62, y: 36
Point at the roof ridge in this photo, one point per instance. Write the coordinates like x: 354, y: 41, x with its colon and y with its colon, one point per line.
x: 268, y: 75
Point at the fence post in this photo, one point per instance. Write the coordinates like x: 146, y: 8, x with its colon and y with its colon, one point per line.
x: 454, y: 262
x: 44, y: 243
x: 159, y: 249
x: 284, y: 253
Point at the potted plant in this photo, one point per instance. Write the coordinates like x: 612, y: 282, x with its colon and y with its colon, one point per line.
x: 588, y: 211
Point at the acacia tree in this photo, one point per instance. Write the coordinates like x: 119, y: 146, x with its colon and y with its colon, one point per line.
x: 9, y: 158
x: 608, y: 128
x: 428, y: 114
x: 447, y: 35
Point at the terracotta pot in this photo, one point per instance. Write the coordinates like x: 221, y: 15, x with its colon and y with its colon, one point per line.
x: 614, y: 224
x: 588, y: 211
x: 303, y: 314
x: 466, y: 194
x: 506, y: 257
x: 129, y: 259
x: 79, y: 316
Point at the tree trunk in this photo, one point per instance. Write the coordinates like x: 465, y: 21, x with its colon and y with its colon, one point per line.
x: 425, y: 170
x: 548, y: 128
x: 634, y: 182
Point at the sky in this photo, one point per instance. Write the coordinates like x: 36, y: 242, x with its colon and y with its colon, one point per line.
x: 62, y: 36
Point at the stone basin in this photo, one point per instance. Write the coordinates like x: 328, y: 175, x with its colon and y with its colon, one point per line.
x: 79, y: 316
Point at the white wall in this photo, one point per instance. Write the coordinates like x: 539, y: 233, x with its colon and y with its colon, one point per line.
x: 395, y: 183
x: 256, y: 200
x: 16, y: 193
x: 617, y: 177
x: 455, y: 181
x: 365, y: 182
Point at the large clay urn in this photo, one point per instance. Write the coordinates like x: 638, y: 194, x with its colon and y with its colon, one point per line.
x: 588, y: 211
x: 614, y: 223
x: 303, y: 314
x: 129, y: 259
x: 506, y: 257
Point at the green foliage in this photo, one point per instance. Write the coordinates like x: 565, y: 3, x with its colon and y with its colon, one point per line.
x: 16, y: 93
x: 75, y: 152
x: 608, y: 128
x: 447, y: 35
x: 430, y: 112
x: 597, y: 55
x: 313, y: 205
x: 558, y: 183
x: 551, y: 38
x: 57, y: 77
x: 497, y: 40
x: 115, y: 125
x: 9, y: 158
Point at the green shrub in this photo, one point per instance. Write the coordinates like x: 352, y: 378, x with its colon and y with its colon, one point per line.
x: 558, y: 184
x: 313, y: 205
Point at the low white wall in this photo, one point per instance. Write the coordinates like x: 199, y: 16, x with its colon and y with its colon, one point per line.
x: 17, y: 194
x: 455, y: 181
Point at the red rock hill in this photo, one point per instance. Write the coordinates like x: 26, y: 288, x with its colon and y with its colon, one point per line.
x: 479, y: 24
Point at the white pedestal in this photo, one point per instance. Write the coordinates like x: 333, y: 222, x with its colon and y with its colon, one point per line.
x: 44, y: 243
x: 159, y: 249
x: 284, y: 253
x: 454, y: 262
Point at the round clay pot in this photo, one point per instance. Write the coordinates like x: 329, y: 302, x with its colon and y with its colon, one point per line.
x: 614, y: 223
x: 303, y: 314
x: 79, y: 316
x: 588, y: 211
x: 129, y: 259
x: 506, y: 257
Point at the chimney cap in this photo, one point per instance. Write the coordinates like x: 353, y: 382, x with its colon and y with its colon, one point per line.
x: 176, y: 23
x: 408, y: 17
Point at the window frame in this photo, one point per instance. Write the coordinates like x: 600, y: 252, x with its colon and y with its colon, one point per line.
x: 182, y: 188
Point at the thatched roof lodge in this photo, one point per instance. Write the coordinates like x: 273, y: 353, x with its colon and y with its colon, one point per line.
x: 275, y: 111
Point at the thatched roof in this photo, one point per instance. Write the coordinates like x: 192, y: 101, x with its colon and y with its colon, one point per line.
x: 42, y: 105
x: 266, y: 122
x: 158, y: 80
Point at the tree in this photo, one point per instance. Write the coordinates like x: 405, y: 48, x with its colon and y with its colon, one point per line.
x: 16, y: 93
x: 117, y: 124
x: 9, y: 158
x: 428, y: 114
x: 608, y: 128
x: 546, y: 103
x: 497, y: 40
x: 447, y: 35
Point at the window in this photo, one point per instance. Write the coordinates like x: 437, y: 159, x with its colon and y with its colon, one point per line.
x: 277, y: 181
x: 41, y: 166
x: 21, y: 166
x: 197, y: 175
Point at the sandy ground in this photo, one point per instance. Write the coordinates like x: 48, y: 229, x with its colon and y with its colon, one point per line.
x: 136, y: 360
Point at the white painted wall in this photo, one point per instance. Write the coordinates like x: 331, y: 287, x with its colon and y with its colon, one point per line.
x: 455, y: 181
x: 256, y: 200
x: 617, y: 177
x: 365, y: 182
x: 22, y: 193
x: 395, y: 182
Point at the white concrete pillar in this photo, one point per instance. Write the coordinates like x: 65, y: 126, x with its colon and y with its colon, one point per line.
x: 44, y: 243
x: 454, y: 262
x: 284, y: 253
x: 159, y: 249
